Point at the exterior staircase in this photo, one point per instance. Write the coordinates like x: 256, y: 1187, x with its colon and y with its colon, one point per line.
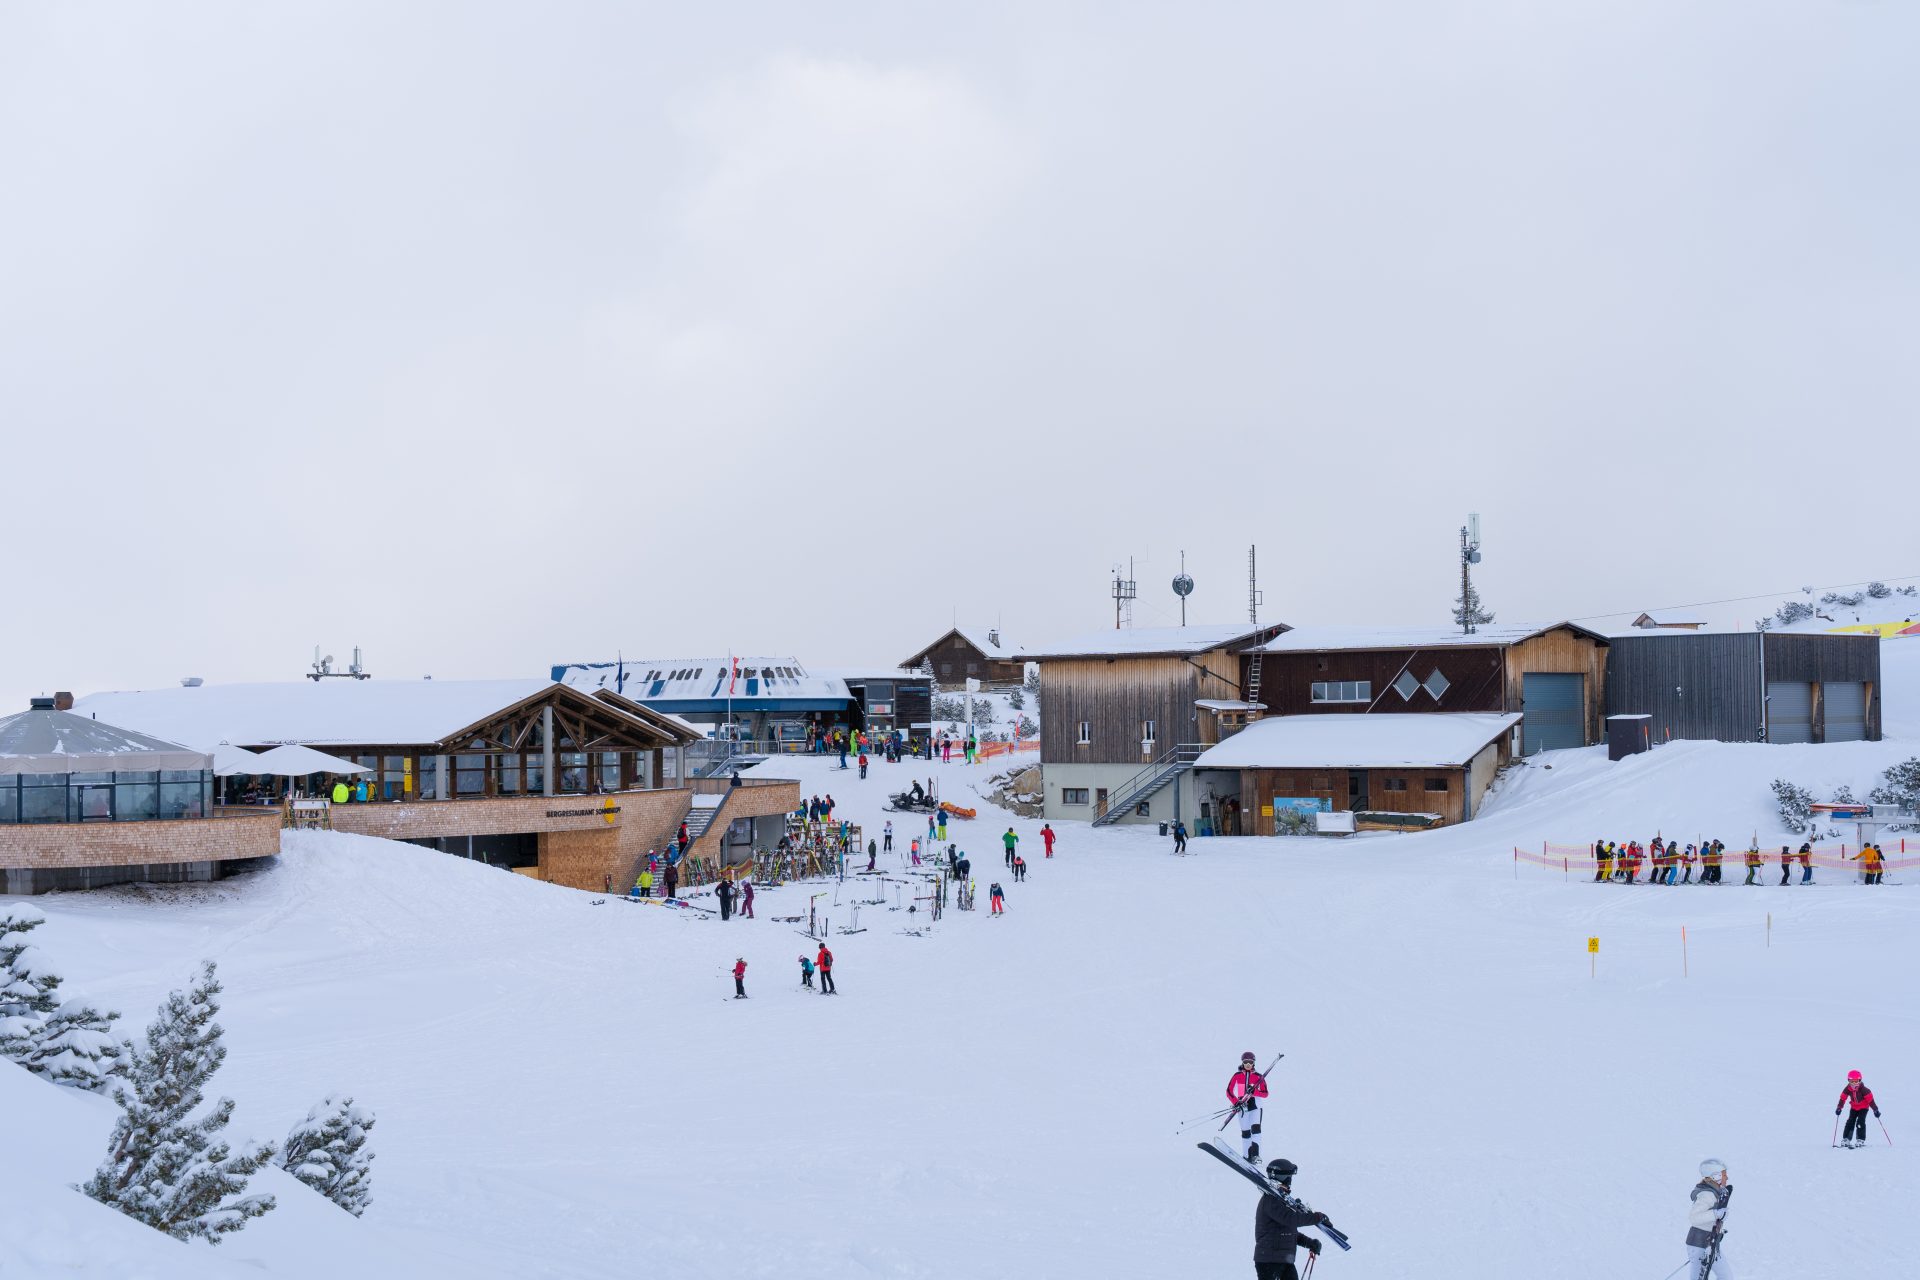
x: 1142, y: 785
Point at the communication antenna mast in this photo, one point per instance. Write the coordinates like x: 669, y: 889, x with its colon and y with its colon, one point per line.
x: 1469, y: 557
x: 323, y: 668
x: 1183, y: 587
x: 1255, y: 597
x: 1124, y: 591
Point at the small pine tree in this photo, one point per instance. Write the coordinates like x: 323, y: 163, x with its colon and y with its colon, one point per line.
x: 1467, y: 609
x: 1792, y: 611
x: 79, y: 1047
x: 27, y: 985
x: 328, y: 1152
x: 1879, y: 590
x: 163, y: 1165
x: 1016, y: 699
x: 1795, y: 804
x: 1899, y: 785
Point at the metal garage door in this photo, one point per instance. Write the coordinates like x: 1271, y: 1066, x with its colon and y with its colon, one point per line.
x: 1789, y: 711
x: 1846, y: 711
x: 1554, y: 708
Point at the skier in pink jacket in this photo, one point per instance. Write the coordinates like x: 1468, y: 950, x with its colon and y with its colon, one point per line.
x: 1245, y: 1090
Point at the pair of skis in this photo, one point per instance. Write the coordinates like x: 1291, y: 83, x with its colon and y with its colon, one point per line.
x: 1267, y: 1185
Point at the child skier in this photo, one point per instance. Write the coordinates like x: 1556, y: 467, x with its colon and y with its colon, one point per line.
x: 1860, y: 1098
x: 806, y: 973
x: 886, y: 834
x: 1047, y: 836
x: 1755, y: 860
x: 1786, y: 865
x: 1686, y: 865
x: 1245, y: 1088
x: 740, y: 978
x: 1019, y: 868
x: 997, y: 898
x: 873, y: 854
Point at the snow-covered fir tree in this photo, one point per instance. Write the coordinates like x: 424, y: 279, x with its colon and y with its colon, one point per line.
x: 1467, y: 610
x: 28, y: 985
x: 328, y: 1152
x: 79, y: 1046
x: 164, y: 1166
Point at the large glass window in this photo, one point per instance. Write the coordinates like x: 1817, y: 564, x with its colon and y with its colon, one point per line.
x: 426, y: 778
x: 536, y: 774
x: 1342, y: 691
x: 10, y: 799
x: 507, y: 776
x: 183, y: 799
x: 136, y: 796
x: 393, y: 777
x: 609, y: 771
x: 43, y: 797
x: 573, y: 772
x: 469, y: 775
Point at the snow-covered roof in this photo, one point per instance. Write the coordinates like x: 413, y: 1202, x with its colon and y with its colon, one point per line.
x: 1135, y: 642
x: 1228, y: 704
x: 1351, y: 740
x: 48, y: 741
x: 313, y: 712
x: 700, y: 683
x: 1314, y: 639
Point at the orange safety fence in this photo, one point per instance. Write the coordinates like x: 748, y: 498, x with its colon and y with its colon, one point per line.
x: 1834, y: 857
x: 988, y: 750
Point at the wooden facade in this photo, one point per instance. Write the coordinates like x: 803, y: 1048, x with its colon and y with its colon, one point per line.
x: 1488, y: 678
x: 1096, y: 709
x: 953, y: 659
x: 1451, y: 791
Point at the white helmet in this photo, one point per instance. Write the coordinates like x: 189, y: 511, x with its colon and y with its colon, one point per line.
x: 1712, y: 1168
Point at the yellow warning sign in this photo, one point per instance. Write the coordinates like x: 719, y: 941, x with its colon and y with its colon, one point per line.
x: 1593, y: 946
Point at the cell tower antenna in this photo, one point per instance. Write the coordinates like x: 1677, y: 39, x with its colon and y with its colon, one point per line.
x: 1124, y: 591
x: 1470, y: 614
x: 1255, y: 597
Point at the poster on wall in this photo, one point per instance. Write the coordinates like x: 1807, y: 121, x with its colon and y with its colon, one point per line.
x: 1302, y: 804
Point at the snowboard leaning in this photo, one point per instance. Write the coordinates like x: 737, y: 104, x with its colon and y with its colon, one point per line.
x: 1240, y: 1166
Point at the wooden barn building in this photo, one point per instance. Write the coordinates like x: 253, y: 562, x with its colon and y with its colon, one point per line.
x: 978, y: 653
x: 1126, y: 714
x: 1390, y: 770
x: 1554, y: 676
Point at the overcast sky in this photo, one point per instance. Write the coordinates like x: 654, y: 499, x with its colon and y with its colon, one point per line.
x: 488, y: 336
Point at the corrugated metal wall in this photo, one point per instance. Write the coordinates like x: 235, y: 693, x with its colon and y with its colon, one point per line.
x: 1694, y: 686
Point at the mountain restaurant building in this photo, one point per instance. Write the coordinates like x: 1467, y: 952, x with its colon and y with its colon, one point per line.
x: 529, y: 775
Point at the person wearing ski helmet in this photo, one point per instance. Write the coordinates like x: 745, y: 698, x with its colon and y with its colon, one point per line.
x: 1245, y: 1089
x: 1857, y: 1096
x: 1706, y: 1223
x: 1276, y: 1227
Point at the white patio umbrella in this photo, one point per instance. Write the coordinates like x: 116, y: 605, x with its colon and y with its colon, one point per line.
x: 230, y: 760
x: 297, y: 762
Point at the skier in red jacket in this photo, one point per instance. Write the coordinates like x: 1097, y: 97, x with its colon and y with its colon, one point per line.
x: 1245, y: 1088
x: 740, y: 978
x: 1857, y: 1095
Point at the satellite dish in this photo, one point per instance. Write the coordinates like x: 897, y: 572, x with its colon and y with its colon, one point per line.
x: 1183, y: 585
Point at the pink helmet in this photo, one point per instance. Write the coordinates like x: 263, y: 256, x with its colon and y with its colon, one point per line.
x: 1853, y: 1075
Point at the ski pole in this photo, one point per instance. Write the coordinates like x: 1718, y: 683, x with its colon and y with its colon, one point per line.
x: 1836, y: 1128
x: 1883, y: 1130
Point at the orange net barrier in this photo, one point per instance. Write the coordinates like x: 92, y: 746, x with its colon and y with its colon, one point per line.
x: 1835, y: 857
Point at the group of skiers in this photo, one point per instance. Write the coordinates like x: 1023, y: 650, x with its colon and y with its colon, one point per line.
x: 1668, y: 862
x: 1279, y: 1218
x: 820, y: 962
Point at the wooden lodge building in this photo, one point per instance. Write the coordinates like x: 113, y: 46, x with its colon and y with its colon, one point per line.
x: 971, y: 653
x: 529, y: 775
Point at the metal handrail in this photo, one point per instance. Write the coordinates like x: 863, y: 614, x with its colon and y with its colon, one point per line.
x: 1184, y: 753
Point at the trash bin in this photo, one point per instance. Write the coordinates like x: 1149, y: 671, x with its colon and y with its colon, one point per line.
x: 1165, y: 829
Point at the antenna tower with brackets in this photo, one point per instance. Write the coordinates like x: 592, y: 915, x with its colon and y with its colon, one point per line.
x: 1124, y: 591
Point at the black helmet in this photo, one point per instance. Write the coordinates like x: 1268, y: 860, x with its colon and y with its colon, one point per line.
x: 1282, y: 1170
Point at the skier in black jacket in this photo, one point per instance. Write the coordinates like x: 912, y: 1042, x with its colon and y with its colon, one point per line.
x: 1276, y: 1228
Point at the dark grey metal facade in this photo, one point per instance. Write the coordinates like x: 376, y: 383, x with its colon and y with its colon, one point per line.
x: 1551, y: 703
x: 1693, y: 685
x: 1706, y: 685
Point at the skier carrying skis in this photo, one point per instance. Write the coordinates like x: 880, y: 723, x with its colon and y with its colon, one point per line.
x: 1245, y: 1088
x: 1276, y: 1227
x: 1706, y: 1223
x: 1860, y: 1098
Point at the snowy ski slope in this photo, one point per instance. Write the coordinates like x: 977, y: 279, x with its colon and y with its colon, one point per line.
x: 565, y: 1089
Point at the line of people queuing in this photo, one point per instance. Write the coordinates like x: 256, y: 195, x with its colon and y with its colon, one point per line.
x: 1670, y: 862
